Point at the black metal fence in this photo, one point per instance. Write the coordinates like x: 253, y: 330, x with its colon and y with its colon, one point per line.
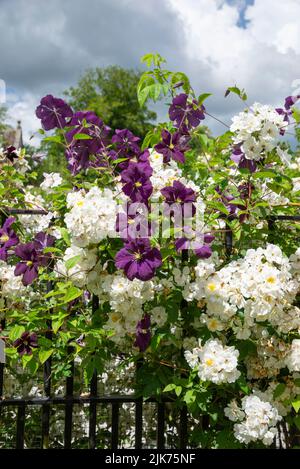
x: 93, y: 399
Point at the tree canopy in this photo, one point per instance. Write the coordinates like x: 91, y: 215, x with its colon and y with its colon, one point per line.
x: 111, y: 93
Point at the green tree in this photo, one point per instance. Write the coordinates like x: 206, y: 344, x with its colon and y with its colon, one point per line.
x: 111, y: 93
x: 3, y: 125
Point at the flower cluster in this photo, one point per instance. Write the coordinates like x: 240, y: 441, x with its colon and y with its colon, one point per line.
x: 91, y: 216
x: 214, y: 362
x: 257, y: 417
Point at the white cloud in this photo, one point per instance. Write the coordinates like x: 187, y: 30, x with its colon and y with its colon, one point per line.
x: 23, y: 109
x: 263, y: 58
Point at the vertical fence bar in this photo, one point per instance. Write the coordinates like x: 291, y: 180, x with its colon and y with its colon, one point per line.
x: 228, y: 241
x: 20, y: 427
x: 183, y: 428
x: 93, y: 393
x: 138, y: 423
x: 138, y: 412
x: 93, y: 412
x: 69, y: 406
x: 115, y: 425
x: 47, y: 386
x: 160, y: 432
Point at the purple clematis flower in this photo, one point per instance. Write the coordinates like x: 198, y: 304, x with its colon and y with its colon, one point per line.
x: 53, y: 112
x: 287, y: 112
x: 198, y: 242
x: 180, y: 198
x: 138, y: 259
x: 32, y: 256
x: 10, y: 153
x: 87, y: 152
x: 290, y: 101
x: 136, y: 181
x: 126, y: 141
x: 178, y: 193
x: 172, y: 146
x: 8, y: 238
x: 143, y: 333
x: 240, y: 159
x: 186, y: 113
x: 26, y: 343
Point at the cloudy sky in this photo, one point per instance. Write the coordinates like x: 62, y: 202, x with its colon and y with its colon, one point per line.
x: 45, y: 46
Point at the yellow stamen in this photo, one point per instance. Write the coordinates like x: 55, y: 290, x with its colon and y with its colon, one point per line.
x: 209, y: 362
x: 271, y: 280
x: 4, y: 238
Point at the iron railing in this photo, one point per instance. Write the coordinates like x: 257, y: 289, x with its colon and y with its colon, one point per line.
x: 93, y: 399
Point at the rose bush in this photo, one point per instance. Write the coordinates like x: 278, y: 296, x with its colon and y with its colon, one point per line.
x: 141, y: 226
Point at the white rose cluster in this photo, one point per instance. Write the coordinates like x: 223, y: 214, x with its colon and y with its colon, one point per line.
x: 215, y: 362
x: 260, y: 285
x: 126, y: 299
x: 11, y: 287
x: 257, y: 129
x: 293, y: 358
x: 84, y: 260
x: 257, y: 419
x: 92, y: 216
x: 50, y: 181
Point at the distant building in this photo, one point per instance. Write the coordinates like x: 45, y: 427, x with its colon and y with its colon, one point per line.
x: 14, y: 137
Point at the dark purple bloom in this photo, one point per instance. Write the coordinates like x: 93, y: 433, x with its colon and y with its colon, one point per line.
x: 32, y: 256
x: 172, y: 146
x: 198, y: 242
x: 10, y: 153
x: 186, y: 113
x: 136, y: 181
x: 89, y: 117
x: 131, y: 226
x: 28, y: 266
x: 143, y: 333
x: 8, y: 238
x: 290, y: 101
x: 138, y: 259
x: 83, y: 153
x: 287, y: 112
x: 53, y: 112
x: 43, y: 240
x: 126, y: 141
x: 240, y: 159
x: 178, y: 193
x: 90, y: 124
x: 26, y: 343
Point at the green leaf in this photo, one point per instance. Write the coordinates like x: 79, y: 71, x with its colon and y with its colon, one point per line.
x: 296, y: 405
x: 297, y: 421
x: 170, y: 387
x: 280, y: 388
x: 82, y: 137
x: 70, y: 263
x: 203, y: 97
x: 65, y: 236
x: 178, y: 390
x: 57, y: 323
x: 296, y: 114
x: 72, y: 294
x: 234, y: 89
x: 264, y: 175
x: 45, y: 354
x: 189, y: 397
x: 53, y: 138
x: 16, y: 332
